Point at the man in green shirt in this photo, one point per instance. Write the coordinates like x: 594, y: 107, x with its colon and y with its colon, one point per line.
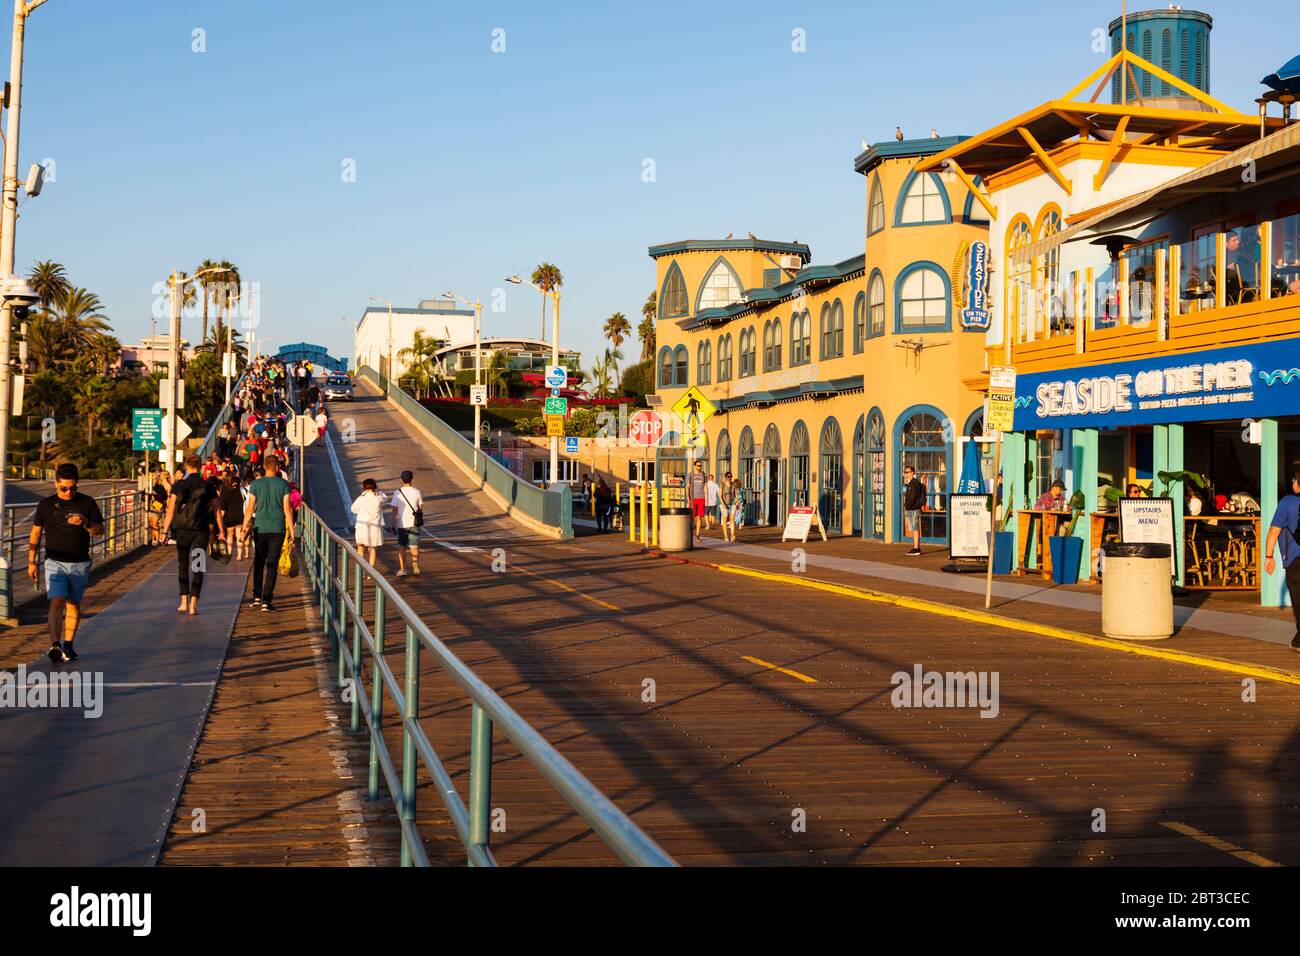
x: 269, y: 516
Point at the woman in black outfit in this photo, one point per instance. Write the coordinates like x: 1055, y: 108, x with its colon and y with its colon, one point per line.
x: 232, y: 514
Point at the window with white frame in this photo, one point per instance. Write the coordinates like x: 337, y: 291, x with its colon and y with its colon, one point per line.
x: 923, y: 202
x: 876, y: 208
x: 720, y: 288
x: 876, y: 305
x: 922, y: 300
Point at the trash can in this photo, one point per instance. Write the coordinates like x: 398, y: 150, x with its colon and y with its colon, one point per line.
x: 675, y: 529
x: 1137, y: 599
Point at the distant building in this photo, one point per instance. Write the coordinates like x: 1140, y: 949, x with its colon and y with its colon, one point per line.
x: 152, y: 353
x: 528, y: 357
x: 433, y: 318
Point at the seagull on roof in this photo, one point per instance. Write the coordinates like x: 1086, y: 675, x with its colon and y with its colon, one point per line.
x: 898, y: 133
x: 865, y: 146
x: 934, y: 133
x: 752, y: 236
x: 729, y: 235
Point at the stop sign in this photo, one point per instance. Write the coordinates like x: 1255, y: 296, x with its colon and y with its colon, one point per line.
x: 645, y: 428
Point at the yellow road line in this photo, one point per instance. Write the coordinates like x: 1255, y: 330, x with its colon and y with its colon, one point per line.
x: 570, y: 589
x: 1028, y: 627
x: 1230, y: 848
x: 784, y: 670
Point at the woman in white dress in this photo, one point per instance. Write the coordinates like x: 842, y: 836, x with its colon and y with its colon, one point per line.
x: 369, y: 509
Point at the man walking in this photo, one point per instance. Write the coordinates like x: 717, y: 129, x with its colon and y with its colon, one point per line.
x: 68, y: 519
x: 189, y: 514
x: 697, y: 484
x: 1283, y: 529
x: 710, y: 500
x: 269, y: 516
x: 408, y: 519
x: 913, y: 502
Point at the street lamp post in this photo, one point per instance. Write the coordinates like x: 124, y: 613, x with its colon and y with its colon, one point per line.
x: 478, y: 360
x: 388, y: 379
x: 8, y: 220
x: 554, y: 296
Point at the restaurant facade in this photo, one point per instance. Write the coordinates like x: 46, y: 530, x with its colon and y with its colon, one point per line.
x: 1146, y: 288
x: 830, y: 379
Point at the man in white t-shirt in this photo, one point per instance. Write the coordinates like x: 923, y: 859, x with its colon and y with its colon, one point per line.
x: 710, y: 501
x: 408, y: 517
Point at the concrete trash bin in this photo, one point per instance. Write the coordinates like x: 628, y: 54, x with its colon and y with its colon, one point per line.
x: 675, y: 529
x: 1137, y: 599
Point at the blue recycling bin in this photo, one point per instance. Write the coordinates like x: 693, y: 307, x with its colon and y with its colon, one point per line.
x: 1004, y: 551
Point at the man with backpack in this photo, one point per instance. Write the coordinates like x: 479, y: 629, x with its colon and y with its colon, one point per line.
x: 189, y: 516
x: 1283, y: 530
x: 268, y: 512
x: 408, y: 519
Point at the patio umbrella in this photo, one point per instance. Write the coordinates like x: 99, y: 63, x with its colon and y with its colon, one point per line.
x: 1287, y: 77
x: 972, y: 479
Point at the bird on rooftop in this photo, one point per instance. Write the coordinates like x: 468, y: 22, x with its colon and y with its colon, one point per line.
x: 898, y: 133
x: 729, y: 235
x: 752, y: 236
x: 865, y: 146
x: 934, y: 133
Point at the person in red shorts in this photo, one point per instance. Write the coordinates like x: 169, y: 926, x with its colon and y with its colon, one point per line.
x: 697, y: 483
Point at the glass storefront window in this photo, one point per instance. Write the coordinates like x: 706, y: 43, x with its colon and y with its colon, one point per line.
x: 1286, y: 255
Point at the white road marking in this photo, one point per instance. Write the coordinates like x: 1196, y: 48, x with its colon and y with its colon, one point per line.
x: 338, y: 477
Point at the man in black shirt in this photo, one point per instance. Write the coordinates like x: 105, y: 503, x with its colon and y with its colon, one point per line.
x: 68, y: 519
x: 189, y: 513
x: 913, y: 503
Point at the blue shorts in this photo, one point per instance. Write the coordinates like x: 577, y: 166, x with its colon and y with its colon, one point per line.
x: 66, y: 579
x: 408, y: 537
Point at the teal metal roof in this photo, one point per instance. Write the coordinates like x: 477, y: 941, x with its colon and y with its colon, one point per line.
x: 731, y: 245
x: 877, y: 153
x: 820, y: 389
x: 808, y: 275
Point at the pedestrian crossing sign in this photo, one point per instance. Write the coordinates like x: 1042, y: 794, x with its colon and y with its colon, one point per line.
x: 694, y: 409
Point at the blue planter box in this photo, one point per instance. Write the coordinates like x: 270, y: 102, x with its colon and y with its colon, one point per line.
x: 1066, y: 554
x: 1004, y: 551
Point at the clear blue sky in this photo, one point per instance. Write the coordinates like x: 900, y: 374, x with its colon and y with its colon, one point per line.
x: 473, y: 164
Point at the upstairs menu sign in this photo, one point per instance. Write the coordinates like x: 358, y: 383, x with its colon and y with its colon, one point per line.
x: 1249, y: 381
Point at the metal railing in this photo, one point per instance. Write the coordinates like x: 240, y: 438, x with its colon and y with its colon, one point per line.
x: 341, y: 602
x: 552, y: 508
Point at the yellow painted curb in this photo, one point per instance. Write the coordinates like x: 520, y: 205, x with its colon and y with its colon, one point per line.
x: 1027, y: 627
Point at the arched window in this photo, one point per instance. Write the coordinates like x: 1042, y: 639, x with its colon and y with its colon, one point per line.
x: 745, y: 471
x: 837, y: 330
x: 974, y: 211
x: 859, y: 472
x: 771, y: 442
x: 824, y: 333
x: 922, y: 299
x: 859, y: 321
x: 721, y: 286
x: 665, y: 367
x: 876, y: 304
x: 724, y: 456
x: 806, y: 336
x: 919, y: 443
x: 1047, y: 268
x: 799, y: 472
x: 1019, y: 277
x: 704, y: 363
x: 831, y: 475
x: 772, y: 346
x: 876, y: 207
x: 874, y: 523
x: 748, y: 352
x: 672, y: 299
x: 681, y: 359
x: 724, y: 358
x: 796, y: 339
x: 924, y: 200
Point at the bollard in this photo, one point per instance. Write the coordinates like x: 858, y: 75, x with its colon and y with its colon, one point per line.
x: 631, y: 514
x: 654, y: 527
x: 645, y: 516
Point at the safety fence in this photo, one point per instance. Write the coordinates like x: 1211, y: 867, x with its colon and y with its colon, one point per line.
x: 551, y: 508
x: 345, y: 586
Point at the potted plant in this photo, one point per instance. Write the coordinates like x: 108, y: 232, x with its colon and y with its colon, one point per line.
x: 1109, y: 498
x: 1004, y: 540
x: 1066, y: 549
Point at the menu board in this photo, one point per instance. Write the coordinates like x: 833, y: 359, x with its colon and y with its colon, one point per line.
x: 968, y: 526
x: 1149, y: 520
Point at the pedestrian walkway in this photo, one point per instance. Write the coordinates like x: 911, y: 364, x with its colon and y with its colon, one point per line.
x: 81, y: 788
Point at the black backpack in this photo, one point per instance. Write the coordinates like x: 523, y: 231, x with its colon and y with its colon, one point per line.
x: 189, y: 514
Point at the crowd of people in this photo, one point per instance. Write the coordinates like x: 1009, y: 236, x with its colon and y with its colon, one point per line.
x: 710, y: 501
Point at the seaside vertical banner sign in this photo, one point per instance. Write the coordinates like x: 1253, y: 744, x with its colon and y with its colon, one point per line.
x: 975, y: 283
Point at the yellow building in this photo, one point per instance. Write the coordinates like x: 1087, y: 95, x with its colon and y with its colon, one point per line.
x: 830, y: 378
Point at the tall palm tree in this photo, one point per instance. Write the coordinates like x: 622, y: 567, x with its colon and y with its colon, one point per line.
x: 646, y: 329
x: 226, y: 284
x: 106, y: 351
x: 548, y: 278
x: 94, y: 395
x: 617, y: 328
x: 497, y: 375
x: 45, y: 392
x: 207, y: 283
x: 215, y: 344
x: 77, y: 313
x: 44, y: 344
x: 49, y: 280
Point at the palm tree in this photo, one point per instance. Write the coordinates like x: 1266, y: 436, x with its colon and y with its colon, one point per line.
x: 49, y: 280
x: 93, y: 401
x: 646, y: 330
x: 215, y: 344
x: 78, y: 315
x: 45, y: 391
x: 44, y: 344
x: 206, y: 282
x: 226, y: 284
x: 617, y: 328
x: 106, y: 351
x: 497, y: 375
x: 548, y: 278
